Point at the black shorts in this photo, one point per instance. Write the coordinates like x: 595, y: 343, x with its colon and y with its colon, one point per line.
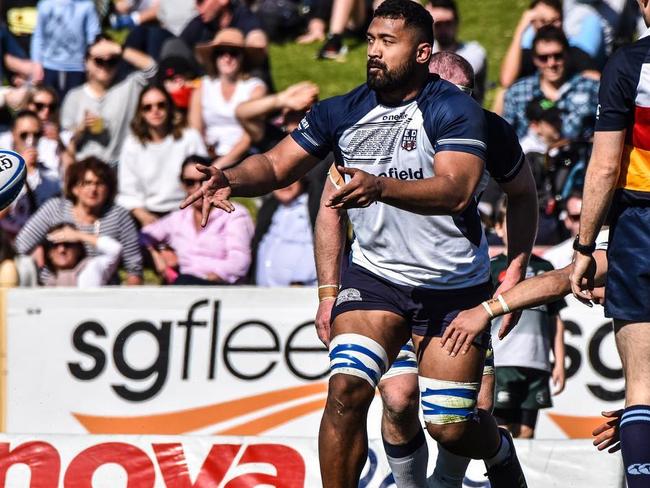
x: 522, y: 388
x: 427, y: 311
x: 628, y: 270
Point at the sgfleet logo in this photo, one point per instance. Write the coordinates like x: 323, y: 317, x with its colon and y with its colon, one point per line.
x: 403, y: 174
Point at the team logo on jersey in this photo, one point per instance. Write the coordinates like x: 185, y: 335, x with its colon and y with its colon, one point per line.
x: 409, y: 139
x: 639, y: 469
x: 348, y: 295
x: 303, y: 125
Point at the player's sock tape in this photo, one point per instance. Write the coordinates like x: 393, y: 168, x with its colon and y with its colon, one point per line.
x: 358, y: 355
x: 447, y: 402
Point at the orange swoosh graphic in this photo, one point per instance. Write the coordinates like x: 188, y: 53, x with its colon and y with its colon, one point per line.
x: 191, y: 419
x: 262, y: 424
x: 576, y: 427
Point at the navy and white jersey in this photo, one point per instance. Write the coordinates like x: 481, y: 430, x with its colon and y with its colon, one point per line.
x: 504, y: 154
x: 400, y: 142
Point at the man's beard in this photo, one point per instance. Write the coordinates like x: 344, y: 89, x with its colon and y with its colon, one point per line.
x: 389, y: 80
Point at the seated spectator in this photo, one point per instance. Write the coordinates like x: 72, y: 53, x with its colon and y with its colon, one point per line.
x: 97, y: 114
x: 15, y: 65
x: 44, y: 103
x: 213, y: 104
x: 177, y: 75
x: 518, y: 61
x: 64, y: 30
x: 445, y: 32
x: 562, y: 254
x: 219, y: 253
x: 575, y: 96
x: 351, y: 15
x: 283, y: 242
x: 587, y: 29
x: 544, y: 131
x: 174, y: 15
x: 156, y: 148
x: 318, y: 16
x: 90, y: 188
x: 66, y: 260
x: 41, y: 184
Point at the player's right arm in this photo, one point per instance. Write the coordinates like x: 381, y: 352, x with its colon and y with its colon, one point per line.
x: 329, y: 242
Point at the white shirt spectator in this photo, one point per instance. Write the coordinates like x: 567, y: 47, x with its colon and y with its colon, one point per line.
x: 148, y: 174
x: 48, y: 152
x: 222, y: 129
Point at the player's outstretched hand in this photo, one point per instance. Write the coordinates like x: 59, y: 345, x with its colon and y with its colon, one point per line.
x: 362, y: 190
x: 582, y: 277
x: 606, y: 435
x: 323, y: 319
x: 460, y: 334
x: 214, y: 191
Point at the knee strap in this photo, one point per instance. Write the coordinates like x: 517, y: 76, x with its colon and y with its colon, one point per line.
x: 358, y: 355
x: 447, y: 402
x: 405, y: 363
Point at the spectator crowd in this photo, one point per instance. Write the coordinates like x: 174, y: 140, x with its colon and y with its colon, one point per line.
x: 111, y: 131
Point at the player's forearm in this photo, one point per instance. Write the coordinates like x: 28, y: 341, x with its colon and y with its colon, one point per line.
x: 536, y: 291
x: 439, y: 195
x: 329, y: 241
x: 558, y: 341
x: 521, y: 223
x: 600, y: 183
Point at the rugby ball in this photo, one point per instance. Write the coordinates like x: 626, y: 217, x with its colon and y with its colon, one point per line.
x: 12, y: 176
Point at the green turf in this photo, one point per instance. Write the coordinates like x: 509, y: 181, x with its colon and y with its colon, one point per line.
x: 491, y: 22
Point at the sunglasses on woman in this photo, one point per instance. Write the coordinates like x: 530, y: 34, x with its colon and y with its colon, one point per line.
x: 107, y: 62
x: 148, y: 107
x: 26, y: 134
x: 41, y: 106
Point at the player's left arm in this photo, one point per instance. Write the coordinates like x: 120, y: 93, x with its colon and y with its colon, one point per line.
x: 558, y: 375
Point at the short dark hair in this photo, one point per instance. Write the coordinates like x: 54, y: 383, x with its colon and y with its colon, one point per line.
x: 554, y: 4
x: 103, y: 172
x: 541, y: 109
x: 550, y: 33
x: 446, y: 4
x: 24, y: 114
x: 195, y: 159
x: 414, y: 15
x: 453, y: 68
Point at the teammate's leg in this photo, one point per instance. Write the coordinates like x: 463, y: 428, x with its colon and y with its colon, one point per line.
x: 363, y: 344
x: 633, y: 342
x: 449, y: 390
x: 450, y: 468
x: 404, y: 440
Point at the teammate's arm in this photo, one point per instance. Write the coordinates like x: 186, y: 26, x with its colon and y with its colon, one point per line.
x: 558, y: 375
x: 329, y: 241
x: 545, y: 288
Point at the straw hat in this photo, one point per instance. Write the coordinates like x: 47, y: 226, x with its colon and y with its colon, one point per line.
x: 228, y: 38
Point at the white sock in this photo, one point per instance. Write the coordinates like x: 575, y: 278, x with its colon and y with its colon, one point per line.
x: 503, y: 452
x: 450, y: 470
x: 408, y: 462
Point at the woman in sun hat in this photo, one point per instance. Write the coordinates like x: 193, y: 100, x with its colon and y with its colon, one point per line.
x: 226, y: 85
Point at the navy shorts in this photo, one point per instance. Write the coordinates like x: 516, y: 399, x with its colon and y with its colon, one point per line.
x: 427, y: 311
x: 628, y: 271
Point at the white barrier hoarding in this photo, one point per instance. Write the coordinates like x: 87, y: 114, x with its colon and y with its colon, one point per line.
x: 240, y: 462
x: 226, y: 361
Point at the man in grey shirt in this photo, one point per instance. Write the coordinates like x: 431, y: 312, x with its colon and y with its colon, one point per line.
x: 95, y: 116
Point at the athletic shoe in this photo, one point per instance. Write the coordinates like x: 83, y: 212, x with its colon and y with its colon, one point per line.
x: 507, y: 474
x: 333, y: 48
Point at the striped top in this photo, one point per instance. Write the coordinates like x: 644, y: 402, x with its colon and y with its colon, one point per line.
x: 624, y: 103
x: 115, y: 222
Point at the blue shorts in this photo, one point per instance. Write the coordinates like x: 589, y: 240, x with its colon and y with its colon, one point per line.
x: 427, y: 311
x: 628, y: 270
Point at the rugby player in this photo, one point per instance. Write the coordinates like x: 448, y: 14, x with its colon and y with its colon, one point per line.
x: 404, y: 442
x: 419, y: 254
x: 618, y: 182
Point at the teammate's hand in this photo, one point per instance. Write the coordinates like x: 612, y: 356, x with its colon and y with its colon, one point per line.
x: 607, y: 434
x: 460, y: 334
x: 323, y: 318
x: 362, y: 190
x: 214, y: 191
x: 582, y: 277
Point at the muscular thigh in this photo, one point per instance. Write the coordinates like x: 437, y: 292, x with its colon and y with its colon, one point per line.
x: 633, y: 343
x: 435, y: 362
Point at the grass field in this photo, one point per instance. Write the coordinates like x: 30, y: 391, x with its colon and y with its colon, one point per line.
x: 491, y: 22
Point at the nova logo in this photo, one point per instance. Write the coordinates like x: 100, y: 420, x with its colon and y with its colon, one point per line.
x: 403, y: 174
x: 639, y: 469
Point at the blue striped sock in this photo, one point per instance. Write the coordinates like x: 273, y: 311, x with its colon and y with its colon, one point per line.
x: 635, y: 445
